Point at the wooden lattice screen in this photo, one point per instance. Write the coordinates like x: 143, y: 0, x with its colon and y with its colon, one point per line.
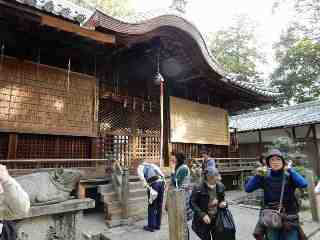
x: 32, y: 146
x: 130, y: 131
x: 4, y: 143
x: 40, y: 99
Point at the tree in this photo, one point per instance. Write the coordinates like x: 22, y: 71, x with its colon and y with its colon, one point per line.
x: 307, y: 16
x: 298, y: 72
x: 236, y: 48
x: 298, y: 54
x: 115, y: 8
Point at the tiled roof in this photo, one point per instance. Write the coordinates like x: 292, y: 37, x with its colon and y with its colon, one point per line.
x: 61, y: 8
x: 300, y: 114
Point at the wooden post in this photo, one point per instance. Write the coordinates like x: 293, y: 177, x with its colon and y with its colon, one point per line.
x: 294, y: 135
x: 125, y: 194
x: 242, y: 180
x: 312, y: 197
x: 176, y: 215
x: 260, y: 143
x: 94, y: 146
x: 317, y: 160
x: 81, y: 191
x: 13, y: 144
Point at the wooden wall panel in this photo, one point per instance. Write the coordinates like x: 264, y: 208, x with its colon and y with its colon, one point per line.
x: 39, y: 99
x: 198, y: 123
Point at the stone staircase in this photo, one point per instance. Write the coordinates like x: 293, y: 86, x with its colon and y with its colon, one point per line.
x: 137, y: 203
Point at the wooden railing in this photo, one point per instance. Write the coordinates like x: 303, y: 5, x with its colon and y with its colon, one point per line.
x: 91, y: 167
x: 233, y: 164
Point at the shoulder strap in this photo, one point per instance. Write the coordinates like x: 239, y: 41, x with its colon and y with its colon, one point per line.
x: 282, y: 190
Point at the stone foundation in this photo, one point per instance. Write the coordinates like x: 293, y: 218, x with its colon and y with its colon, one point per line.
x: 60, y: 221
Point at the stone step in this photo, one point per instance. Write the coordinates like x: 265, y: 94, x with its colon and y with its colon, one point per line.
x: 135, y: 185
x: 134, y: 193
x: 106, y: 188
x: 109, y: 197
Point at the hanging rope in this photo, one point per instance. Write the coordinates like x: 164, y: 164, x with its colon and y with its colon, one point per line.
x: 38, y: 62
x: 68, y: 75
x: 160, y: 78
x: 2, y: 56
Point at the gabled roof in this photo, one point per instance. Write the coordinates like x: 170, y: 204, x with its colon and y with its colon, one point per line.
x: 297, y: 115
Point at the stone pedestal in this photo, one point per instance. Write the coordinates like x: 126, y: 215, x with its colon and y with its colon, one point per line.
x: 54, y: 222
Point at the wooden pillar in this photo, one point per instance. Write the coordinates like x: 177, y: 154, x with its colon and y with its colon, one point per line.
x: 57, y: 147
x: 166, y: 134
x: 317, y: 148
x: 125, y: 193
x: 94, y: 148
x: 13, y: 144
x: 294, y: 136
x: 176, y: 215
x: 260, y: 150
x: 312, y: 197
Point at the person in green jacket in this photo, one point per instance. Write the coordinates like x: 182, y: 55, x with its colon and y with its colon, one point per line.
x: 181, y: 180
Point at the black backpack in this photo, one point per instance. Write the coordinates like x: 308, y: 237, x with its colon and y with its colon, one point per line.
x: 9, y: 230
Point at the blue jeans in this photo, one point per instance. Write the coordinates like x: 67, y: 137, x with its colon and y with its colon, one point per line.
x: 273, y: 234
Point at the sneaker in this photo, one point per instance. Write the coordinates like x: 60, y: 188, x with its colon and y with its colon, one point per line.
x: 147, y: 228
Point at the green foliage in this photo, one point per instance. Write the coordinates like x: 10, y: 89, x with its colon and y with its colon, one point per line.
x: 291, y: 151
x: 298, y: 53
x: 236, y: 49
x: 115, y: 8
x: 298, y: 73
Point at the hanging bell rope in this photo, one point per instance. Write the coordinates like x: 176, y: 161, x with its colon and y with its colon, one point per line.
x: 68, y: 75
x: 160, y: 79
x: 38, y: 62
x: 2, y: 56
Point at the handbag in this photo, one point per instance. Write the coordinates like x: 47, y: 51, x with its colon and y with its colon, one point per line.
x: 224, y: 225
x: 271, y: 218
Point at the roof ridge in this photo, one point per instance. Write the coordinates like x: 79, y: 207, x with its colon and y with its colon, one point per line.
x: 283, y: 109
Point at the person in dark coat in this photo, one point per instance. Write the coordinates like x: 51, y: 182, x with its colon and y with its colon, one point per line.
x: 205, y: 201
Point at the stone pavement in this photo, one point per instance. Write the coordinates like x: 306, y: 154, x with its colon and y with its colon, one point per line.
x: 245, y: 219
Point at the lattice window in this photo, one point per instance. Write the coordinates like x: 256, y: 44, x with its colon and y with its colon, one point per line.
x: 31, y: 146
x: 4, y: 142
x: 74, y: 147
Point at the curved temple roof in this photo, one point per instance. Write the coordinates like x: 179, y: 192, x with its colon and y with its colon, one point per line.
x: 144, y: 23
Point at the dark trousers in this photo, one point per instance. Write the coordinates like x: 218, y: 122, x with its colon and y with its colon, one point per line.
x: 155, y: 209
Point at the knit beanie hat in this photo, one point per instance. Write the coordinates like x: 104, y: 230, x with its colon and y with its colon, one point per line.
x: 272, y: 153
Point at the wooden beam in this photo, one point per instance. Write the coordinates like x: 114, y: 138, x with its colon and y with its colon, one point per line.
x: 309, y: 131
x: 74, y: 28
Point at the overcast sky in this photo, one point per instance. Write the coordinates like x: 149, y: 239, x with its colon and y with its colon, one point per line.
x: 212, y: 15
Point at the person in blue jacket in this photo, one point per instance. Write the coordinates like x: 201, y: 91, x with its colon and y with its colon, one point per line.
x: 271, y: 183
